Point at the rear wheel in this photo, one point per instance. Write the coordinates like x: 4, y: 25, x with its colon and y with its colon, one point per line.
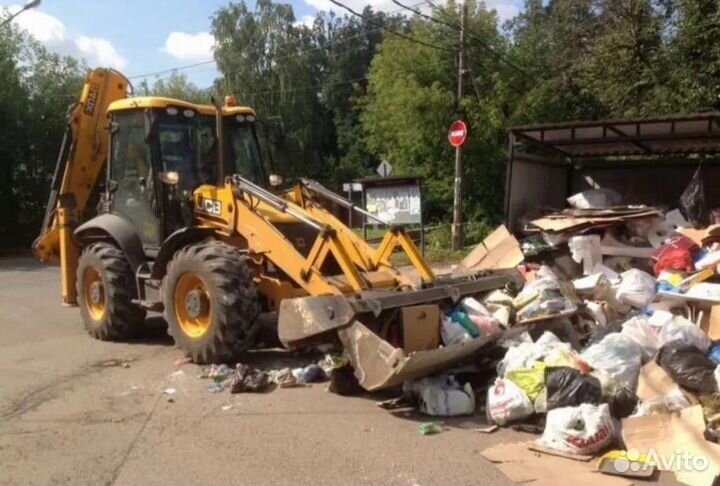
x: 105, y: 288
x: 211, y: 301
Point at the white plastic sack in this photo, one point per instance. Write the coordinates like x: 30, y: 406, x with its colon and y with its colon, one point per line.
x: 595, y: 199
x: 526, y: 354
x: 443, y: 396
x: 506, y: 402
x: 639, y: 330
x: 618, y: 356
x: 637, y: 288
x: 586, y: 429
x: 681, y: 329
x: 452, y: 332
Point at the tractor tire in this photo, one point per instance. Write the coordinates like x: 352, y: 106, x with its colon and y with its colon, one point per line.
x: 105, y: 289
x: 211, y: 302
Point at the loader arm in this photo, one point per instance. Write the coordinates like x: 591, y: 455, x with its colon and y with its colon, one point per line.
x: 82, y: 156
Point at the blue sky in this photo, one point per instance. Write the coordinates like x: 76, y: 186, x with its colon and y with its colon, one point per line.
x: 143, y: 36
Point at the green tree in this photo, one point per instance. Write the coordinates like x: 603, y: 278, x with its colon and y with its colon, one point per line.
x: 175, y: 86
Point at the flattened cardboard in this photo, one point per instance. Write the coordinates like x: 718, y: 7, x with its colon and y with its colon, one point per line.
x: 522, y: 465
x: 701, y: 236
x: 711, y: 323
x: 654, y: 382
x: 666, y: 434
x: 499, y: 250
x: 559, y: 222
x: 421, y: 327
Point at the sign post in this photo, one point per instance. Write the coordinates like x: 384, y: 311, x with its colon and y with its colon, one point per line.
x: 457, y: 136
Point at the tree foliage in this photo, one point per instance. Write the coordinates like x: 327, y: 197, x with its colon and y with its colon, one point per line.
x: 342, y: 93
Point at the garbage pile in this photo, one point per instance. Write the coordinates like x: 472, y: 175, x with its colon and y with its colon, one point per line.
x: 613, y: 330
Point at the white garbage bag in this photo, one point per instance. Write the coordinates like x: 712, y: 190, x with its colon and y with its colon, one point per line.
x: 585, y: 429
x: 681, y: 329
x: 526, y: 354
x: 506, y: 402
x: 618, y: 356
x: 637, y: 288
x: 639, y: 330
x: 442, y: 396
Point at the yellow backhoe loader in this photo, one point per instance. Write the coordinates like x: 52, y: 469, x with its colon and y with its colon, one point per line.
x: 190, y: 224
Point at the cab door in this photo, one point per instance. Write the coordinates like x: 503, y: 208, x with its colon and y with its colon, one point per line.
x: 131, y: 177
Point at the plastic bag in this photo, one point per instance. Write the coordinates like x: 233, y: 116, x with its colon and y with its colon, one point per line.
x: 486, y: 325
x: 676, y: 254
x: 595, y: 199
x: 641, y: 332
x: 637, y: 288
x: 506, y: 402
x: 473, y: 307
x: 692, y: 200
x: 530, y: 380
x: 452, y: 332
x: 585, y: 249
x: 684, y: 331
x: 622, y: 403
x: 688, y: 367
x: 674, y: 401
x: 618, y: 356
x: 585, y: 429
x: 443, y: 396
x: 526, y: 354
x: 567, y: 387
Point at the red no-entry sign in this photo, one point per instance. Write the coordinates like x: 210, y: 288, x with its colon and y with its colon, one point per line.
x: 457, y: 135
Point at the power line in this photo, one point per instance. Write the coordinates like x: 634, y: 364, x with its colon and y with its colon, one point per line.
x: 212, y: 61
x: 390, y: 31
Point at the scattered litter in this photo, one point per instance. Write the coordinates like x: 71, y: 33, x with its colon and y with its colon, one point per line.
x: 126, y: 364
x: 216, y: 388
x: 169, y: 391
x: 312, y: 373
x: 225, y: 408
x: 183, y: 361
x: 487, y: 430
x: 431, y: 428
x: 248, y: 379
x: 442, y: 396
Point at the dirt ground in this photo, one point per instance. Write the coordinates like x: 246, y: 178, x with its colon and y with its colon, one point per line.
x: 70, y: 412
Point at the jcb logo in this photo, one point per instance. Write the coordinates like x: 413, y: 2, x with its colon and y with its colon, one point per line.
x: 211, y: 206
x: 92, y: 99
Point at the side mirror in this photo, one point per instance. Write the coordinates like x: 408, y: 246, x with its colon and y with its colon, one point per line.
x: 275, y: 180
x: 171, y: 178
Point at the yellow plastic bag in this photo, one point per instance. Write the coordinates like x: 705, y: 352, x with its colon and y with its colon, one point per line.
x: 530, y: 380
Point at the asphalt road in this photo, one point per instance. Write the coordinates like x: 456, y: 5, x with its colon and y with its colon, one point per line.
x: 71, y: 413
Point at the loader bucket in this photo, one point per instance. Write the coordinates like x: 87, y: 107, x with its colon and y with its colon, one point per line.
x: 378, y: 363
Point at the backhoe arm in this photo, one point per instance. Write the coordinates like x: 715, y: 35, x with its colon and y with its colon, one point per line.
x: 82, y: 157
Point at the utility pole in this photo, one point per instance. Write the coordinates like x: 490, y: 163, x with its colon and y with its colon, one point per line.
x: 457, y: 226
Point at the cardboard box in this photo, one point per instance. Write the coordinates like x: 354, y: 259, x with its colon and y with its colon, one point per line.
x: 421, y: 327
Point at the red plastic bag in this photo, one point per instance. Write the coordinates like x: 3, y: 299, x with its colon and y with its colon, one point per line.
x: 676, y: 254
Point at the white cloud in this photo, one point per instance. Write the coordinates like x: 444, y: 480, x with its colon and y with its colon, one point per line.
x: 306, y: 20
x: 101, y: 49
x: 51, y: 32
x: 190, y: 47
x: 505, y: 10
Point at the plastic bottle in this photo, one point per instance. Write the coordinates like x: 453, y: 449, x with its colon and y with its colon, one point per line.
x: 462, y: 318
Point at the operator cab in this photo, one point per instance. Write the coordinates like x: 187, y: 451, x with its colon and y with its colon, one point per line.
x: 162, y: 149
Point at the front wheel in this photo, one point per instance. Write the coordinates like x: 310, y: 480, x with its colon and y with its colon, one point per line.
x: 105, y: 289
x: 211, y: 301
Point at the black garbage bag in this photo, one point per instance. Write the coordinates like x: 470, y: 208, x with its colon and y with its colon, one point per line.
x: 692, y: 200
x: 622, y: 402
x: 688, y: 367
x: 567, y: 387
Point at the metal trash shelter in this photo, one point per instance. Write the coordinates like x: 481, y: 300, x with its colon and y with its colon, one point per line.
x: 647, y: 160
